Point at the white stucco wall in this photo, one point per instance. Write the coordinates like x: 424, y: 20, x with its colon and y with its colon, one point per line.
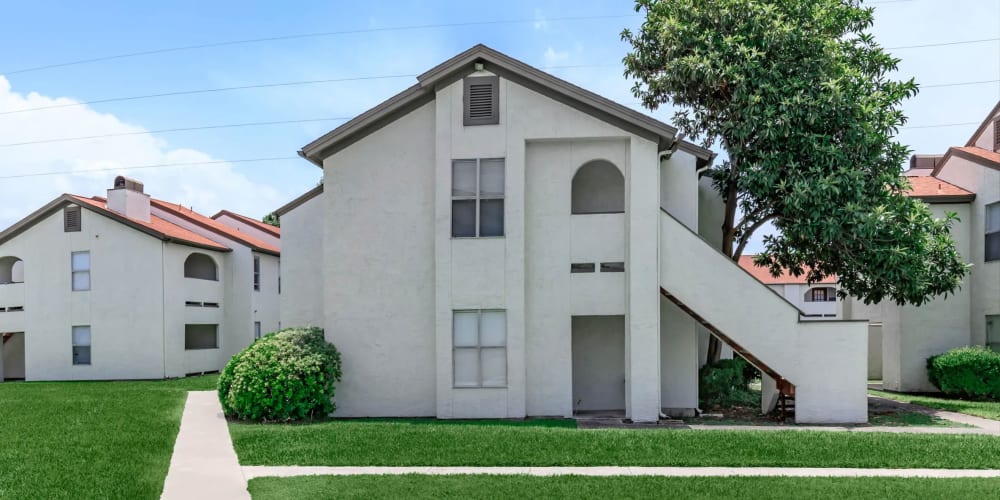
x: 301, y: 265
x: 985, y: 279
x: 929, y: 329
x: 124, y: 306
x: 378, y: 268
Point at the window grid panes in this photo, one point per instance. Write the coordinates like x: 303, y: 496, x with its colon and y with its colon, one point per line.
x: 81, y: 345
x: 80, y: 266
x: 256, y: 273
x: 992, y: 244
x: 480, y: 348
x: 477, y: 197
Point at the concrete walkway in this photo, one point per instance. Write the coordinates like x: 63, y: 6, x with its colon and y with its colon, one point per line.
x: 204, y: 464
x: 267, y: 471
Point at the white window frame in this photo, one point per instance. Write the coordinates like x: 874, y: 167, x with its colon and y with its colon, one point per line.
x: 74, y: 271
x: 89, y: 345
x: 479, y: 347
x: 479, y: 197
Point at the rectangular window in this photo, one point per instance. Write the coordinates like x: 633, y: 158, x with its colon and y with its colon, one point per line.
x: 198, y: 337
x: 819, y: 294
x: 80, y: 262
x: 81, y: 345
x: 583, y: 267
x: 72, y: 219
x: 993, y: 333
x: 256, y: 273
x: 992, y: 249
x: 256, y: 330
x: 477, y: 198
x: 481, y: 100
x: 480, y: 348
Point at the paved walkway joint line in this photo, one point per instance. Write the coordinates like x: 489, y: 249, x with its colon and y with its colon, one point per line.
x: 280, y: 471
x: 204, y: 464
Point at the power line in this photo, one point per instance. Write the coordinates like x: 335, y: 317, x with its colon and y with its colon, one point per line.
x: 295, y: 36
x: 206, y: 91
x: 943, y: 44
x: 964, y: 124
x: 168, y: 130
x: 158, y: 165
x: 254, y: 86
x: 329, y: 80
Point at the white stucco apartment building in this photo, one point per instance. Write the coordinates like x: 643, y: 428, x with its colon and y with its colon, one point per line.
x: 130, y: 287
x: 496, y: 242
x: 966, y: 181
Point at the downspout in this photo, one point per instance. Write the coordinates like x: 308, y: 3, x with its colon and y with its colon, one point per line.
x: 163, y: 304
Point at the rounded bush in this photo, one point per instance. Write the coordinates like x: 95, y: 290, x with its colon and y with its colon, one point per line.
x: 286, y: 375
x: 969, y: 372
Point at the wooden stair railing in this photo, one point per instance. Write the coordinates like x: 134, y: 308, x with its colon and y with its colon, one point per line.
x: 786, y: 390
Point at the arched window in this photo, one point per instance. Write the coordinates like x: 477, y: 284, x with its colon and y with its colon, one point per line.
x: 11, y: 270
x: 200, y: 266
x: 598, y: 188
x: 821, y: 294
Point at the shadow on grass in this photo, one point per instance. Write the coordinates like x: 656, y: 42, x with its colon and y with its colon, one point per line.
x: 564, y: 423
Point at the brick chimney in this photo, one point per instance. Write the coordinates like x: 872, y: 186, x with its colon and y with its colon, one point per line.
x: 126, y: 198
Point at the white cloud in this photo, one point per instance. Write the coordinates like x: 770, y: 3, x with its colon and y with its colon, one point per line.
x: 554, y: 57
x: 541, y: 23
x: 207, y: 188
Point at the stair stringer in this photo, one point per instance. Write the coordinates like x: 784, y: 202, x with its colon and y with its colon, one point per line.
x: 826, y: 361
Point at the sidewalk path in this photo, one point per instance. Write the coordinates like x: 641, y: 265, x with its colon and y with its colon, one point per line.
x: 204, y: 464
x: 268, y: 471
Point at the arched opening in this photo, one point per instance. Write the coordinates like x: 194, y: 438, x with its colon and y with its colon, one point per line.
x: 11, y: 270
x: 200, y: 266
x: 821, y: 294
x: 598, y: 188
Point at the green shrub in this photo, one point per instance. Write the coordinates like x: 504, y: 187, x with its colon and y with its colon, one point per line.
x: 725, y: 384
x: 968, y: 372
x: 286, y: 375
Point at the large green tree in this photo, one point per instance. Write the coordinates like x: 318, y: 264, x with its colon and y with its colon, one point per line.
x: 801, y: 97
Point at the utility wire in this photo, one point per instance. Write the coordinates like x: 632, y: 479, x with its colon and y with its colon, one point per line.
x: 329, y: 80
x: 205, y: 91
x: 321, y: 34
x: 158, y: 165
x: 169, y: 130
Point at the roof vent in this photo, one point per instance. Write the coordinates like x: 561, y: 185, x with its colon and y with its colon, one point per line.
x: 122, y: 182
x: 924, y: 161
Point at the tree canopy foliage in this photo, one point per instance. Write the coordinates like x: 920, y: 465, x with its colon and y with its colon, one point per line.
x: 801, y: 97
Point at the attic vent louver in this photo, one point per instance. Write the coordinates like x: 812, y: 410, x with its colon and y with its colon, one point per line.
x: 72, y: 219
x: 482, y: 100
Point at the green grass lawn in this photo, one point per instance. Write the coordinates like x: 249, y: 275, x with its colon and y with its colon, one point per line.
x: 548, y: 443
x: 985, y: 409
x: 577, y: 487
x: 89, y: 439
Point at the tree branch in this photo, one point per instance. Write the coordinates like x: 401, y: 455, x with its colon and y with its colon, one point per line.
x: 745, y: 236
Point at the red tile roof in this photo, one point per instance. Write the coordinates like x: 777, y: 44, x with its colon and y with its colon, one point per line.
x: 267, y: 228
x: 215, y: 226
x: 159, y: 226
x: 764, y: 275
x: 928, y: 187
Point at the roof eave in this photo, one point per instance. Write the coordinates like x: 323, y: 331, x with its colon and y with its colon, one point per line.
x: 509, y: 68
x: 301, y: 199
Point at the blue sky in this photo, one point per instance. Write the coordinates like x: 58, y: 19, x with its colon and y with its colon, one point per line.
x: 41, y: 32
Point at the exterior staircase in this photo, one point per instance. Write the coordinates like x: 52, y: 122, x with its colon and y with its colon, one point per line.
x: 817, y: 369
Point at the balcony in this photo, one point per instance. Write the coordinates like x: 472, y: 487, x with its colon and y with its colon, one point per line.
x: 202, y: 291
x: 12, y: 307
x: 597, y: 256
